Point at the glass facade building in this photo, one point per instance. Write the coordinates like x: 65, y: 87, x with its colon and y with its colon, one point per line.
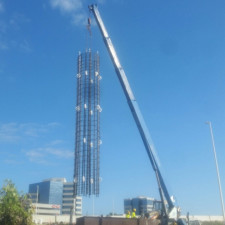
x: 48, y: 191
x: 55, y: 191
x: 127, y: 205
x: 141, y: 204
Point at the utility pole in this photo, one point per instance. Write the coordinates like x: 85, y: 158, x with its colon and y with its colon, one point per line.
x: 113, y: 207
x: 217, y: 169
x: 73, y: 211
x: 37, y: 199
x: 93, y: 205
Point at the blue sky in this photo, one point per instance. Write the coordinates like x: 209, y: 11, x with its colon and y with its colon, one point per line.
x: 173, y: 53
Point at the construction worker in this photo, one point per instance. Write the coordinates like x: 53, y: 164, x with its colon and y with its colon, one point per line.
x: 128, y: 214
x: 134, y: 213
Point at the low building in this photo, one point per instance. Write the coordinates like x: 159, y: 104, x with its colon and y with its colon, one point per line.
x: 142, y: 205
x: 46, y: 209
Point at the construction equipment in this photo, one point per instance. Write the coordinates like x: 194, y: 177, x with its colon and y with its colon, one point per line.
x: 169, y: 213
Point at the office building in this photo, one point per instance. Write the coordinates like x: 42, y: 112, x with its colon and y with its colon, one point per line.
x: 48, y: 191
x: 56, y: 191
x: 141, y: 204
x: 67, y: 202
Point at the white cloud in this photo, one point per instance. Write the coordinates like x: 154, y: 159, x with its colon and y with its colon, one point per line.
x: 73, y: 8
x: 68, y: 6
x: 12, y: 162
x: 9, y: 132
x: 32, y: 138
x: 13, y: 25
x: 48, y: 154
x: 36, y: 156
x: 101, y: 1
x: 1, y: 7
x: 76, y: 9
x: 17, y: 20
x: 25, y: 46
x: 14, y: 132
x: 3, y: 45
x: 79, y: 19
x: 3, y: 27
x: 61, y: 153
x: 56, y: 142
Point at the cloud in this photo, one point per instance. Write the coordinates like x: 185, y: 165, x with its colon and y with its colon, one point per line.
x: 56, y: 142
x: 3, y: 45
x: 48, y: 154
x: 101, y: 1
x: 79, y: 19
x: 67, y: 6
x: 35, y: 156
x: 3, y: 27
x: 17, y: 20
x: 9, y: 30
x: 77, y: 10
x: 25, y: 46
x: 15, y: 132
x: 32, y: 140
x: 61, y: 153
x: 9, y: 132
x: 1, y: 7
x: 12, y: 162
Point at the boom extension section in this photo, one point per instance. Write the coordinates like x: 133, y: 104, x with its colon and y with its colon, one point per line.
x: 164, y: 195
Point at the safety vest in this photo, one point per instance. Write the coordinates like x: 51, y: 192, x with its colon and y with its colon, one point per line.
x: 128, y: 215
x: 133, y: 215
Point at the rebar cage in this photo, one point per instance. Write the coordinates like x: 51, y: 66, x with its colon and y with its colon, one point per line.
x: 87, y: 140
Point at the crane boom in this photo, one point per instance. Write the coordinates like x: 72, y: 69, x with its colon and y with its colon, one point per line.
x: 135, y: 111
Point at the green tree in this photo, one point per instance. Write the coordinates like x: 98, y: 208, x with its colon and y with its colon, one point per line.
x: 14, y: 208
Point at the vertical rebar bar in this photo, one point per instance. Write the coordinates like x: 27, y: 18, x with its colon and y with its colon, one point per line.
x: 98, y: 107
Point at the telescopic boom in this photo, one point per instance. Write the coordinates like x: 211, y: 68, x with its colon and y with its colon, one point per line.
x: 135, y: 112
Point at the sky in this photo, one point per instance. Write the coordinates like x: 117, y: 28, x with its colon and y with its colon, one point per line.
x: 173, y: 53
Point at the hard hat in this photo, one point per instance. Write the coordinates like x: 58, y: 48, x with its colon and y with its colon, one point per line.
x: 134, y: 210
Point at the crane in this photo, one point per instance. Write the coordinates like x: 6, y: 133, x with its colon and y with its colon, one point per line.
x: 169, y: 210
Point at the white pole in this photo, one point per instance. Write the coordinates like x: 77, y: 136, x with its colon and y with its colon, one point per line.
x: 37, y: 199
x: 217, y: 169
x: 73, y: 211
x: 93, y: 205
x: 113, y: 207
x: 74, y: 208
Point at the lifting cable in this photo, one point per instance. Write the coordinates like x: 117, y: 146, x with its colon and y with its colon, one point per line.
x: 89, y: 33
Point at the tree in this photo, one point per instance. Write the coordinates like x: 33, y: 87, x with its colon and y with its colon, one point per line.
x: 14, y: 208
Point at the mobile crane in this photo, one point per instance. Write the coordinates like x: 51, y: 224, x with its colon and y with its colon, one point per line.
x: 169, y: 212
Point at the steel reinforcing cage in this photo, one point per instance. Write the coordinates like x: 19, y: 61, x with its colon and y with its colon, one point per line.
x: 87, y: 136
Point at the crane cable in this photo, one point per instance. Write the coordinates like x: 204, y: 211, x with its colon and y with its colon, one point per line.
x: 89, y: 33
